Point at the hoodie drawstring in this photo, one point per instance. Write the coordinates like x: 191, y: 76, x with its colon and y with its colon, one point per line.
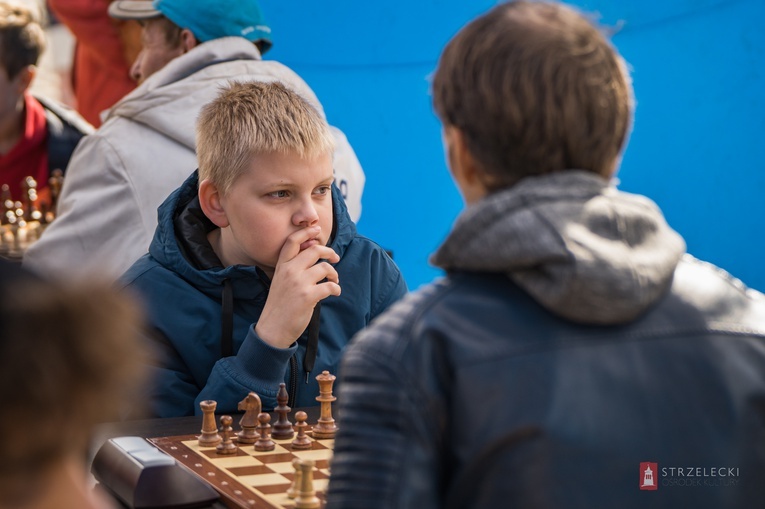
x: 312, y: 346
x: 227, y: 320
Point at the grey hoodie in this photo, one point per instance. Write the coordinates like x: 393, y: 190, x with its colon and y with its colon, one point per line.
x: 582, y: 249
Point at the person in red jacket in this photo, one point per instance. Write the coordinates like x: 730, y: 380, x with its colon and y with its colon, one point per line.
x: 105, y: 49
x: 37, y: 135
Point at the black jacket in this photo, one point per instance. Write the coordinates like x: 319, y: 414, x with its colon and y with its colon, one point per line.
x: 473, y: 393
x: 65, y: 129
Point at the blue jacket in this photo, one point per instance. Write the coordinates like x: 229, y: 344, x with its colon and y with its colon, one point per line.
x: 185, y: 312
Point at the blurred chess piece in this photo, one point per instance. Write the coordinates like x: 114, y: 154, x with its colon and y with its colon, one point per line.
x: 23, y: 222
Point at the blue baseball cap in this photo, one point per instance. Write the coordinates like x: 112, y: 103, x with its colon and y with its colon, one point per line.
x: 206, y: 19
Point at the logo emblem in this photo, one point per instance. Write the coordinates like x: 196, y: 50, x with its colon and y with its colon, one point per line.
x: 648, y: 475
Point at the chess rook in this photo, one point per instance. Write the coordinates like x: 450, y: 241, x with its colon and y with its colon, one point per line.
x: 210, y: 436
x: 325, y: 428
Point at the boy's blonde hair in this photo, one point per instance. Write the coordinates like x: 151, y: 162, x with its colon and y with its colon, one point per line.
x: 253, y: 118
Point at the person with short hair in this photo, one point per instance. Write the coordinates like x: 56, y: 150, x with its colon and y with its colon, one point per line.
x: 69, y: 359
x: 573, y: 355
x: 145, y: 148
x: 256, y: 275
x: 37, y: 135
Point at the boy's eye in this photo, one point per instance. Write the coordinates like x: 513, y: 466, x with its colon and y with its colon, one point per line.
x: 322, y: 190
x: 278, y: 194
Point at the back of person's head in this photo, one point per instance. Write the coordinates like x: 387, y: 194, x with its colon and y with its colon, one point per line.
x: 247, y: 119
x: 206, y: 19
x: 68, y: 360
x: 22, y: 39
x: 535, y: 88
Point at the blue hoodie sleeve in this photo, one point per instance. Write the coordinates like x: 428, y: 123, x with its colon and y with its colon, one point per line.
x: 257, y: 366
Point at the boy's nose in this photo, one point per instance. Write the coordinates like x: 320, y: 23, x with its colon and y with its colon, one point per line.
x: 306, y: 215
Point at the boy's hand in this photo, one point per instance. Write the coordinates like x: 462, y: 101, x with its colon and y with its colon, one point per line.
x: 298, y: 284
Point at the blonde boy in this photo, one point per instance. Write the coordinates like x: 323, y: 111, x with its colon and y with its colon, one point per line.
x: 243, y: 277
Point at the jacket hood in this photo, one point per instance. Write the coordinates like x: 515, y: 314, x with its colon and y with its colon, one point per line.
x: 582, y: 249
x: 165, y: 108
x: 246, y: 280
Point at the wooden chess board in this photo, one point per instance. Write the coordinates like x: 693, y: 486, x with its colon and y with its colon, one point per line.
x: 250, y: 479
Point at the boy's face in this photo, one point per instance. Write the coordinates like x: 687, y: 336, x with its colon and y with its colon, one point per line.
x: 275, y: 197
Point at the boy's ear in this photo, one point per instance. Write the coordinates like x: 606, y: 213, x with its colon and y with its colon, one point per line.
x: 210, y: 201
x: 466, y: 171
x: 24, y: 78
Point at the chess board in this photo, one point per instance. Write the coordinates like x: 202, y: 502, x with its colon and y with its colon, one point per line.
x: 250, y: 479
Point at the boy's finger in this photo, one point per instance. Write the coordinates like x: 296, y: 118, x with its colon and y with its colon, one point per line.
x: 291, y: 247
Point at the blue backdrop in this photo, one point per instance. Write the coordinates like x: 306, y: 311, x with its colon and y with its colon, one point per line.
x: 698, y: 71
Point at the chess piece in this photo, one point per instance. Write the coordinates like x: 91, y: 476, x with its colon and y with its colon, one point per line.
x: 209, y: 436
x: 264, y: 443
x: 325, y: 428
x: 307, y: 498
x: 5, y: 196
x: 249, y: 422
x: 282, y: 427
x: 294, y: 488
x: 302, y: 441
x: 227, y: 446
x: 55, y: 182
x: 29, y: 199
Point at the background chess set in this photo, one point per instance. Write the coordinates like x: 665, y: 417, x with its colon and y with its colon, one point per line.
x: 22, y: 222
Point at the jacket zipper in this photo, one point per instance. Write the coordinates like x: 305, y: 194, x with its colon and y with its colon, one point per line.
x: 293, y: 381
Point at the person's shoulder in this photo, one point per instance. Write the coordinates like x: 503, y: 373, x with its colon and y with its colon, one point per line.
x: 145, y: 273
x: 61, y: 116
x: 718, y: 295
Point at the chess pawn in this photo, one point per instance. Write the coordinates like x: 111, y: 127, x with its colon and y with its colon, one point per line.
x: 307, y: 498
x: 227, y: 446
x: 294, y: 488
x: 264, y: 443
x: 282, y: 426
x: 209, y: 436
x: 325, y: 428
x: 302, y: 441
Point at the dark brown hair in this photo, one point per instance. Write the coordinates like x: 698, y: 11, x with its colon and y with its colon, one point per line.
x: 22, y: 39
x: 534, y: 88
x: 70, y: 357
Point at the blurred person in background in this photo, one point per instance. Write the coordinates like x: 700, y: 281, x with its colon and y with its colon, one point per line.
x: 104, y: 50
x: 37, y: 135
x: 69, y: 359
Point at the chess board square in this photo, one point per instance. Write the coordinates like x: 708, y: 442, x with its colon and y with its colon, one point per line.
x: 250, y: 470
x: 273, y: 479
